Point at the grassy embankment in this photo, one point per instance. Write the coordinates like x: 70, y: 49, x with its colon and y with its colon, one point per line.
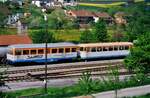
x: 79, y: 89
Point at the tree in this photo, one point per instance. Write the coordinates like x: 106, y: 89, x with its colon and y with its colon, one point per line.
x: 41, y: 36
x: 135, y: 28
x: 86, y: 37
x: 59, y: 20
x: 100, y: 31
x: 139, y: 58
x: 4, y: 12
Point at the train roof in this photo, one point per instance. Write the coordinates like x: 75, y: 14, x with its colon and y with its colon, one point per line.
x: 42, y: 45
x: 106, y: 44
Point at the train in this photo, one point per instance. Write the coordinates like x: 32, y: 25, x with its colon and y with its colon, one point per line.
x: 35, y: 53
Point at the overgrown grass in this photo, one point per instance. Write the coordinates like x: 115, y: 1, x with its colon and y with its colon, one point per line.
x: 5, y: 31
x: 103, y: 5
x: 95, y: 86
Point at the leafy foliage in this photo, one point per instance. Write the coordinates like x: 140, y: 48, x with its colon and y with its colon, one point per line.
x: 4, y: 11
x: 139, y: 58
x: 100, y: 31
x: 85, y: 81
x: 41, y: 36
x: 86, y: 37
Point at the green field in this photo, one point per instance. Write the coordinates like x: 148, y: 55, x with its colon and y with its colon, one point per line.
x: 72, y: 35
x: 103, y: 5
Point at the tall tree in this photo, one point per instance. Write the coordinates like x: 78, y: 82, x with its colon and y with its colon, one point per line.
x: 86, y: 37
x: 4, y: 12
x: 139, y: 57
x: 100, y: 31
x: 41, y: 36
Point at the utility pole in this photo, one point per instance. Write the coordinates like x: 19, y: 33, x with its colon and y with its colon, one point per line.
x: 46, y: 31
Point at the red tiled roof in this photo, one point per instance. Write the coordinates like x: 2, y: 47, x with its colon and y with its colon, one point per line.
x: 102, y: 14
x: 82, y: 13
x: 14, y: 39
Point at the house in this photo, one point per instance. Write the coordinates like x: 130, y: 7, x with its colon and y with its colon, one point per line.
x: 103, y: 15
x: 81, y: 16
x: 54, y: 3
x: 120, y: 18
x: 6, y: 40
x: 85, y: 17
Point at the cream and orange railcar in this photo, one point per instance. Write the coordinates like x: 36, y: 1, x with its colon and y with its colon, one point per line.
x: 104, y: 50
x: 36, y: 52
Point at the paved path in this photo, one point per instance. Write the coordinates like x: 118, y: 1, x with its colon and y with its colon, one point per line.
x: 129, y: 92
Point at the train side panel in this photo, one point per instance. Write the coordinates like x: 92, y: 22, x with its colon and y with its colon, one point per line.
x: 104, y: 54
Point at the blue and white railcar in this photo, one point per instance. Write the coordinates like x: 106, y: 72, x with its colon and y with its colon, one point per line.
x: 36, y: 52
x: 104, y: 50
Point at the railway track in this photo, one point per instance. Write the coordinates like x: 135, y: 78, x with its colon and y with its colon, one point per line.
x: 56, y: 72
x: 86, y: 64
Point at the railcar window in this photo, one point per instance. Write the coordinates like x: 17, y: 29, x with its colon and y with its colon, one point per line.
x: 126, y: 47
x: 18, y: 52
x: 41, y: 51
x: 10, y: 52
x: 99, y: 49
x: 115, y: 48
x: 67, y: 50
x: 105, y: 48
x: 48, y: 50
x: 74, y: 49
x: 61, y: 50
x: 110, y: 48
x: 93, y: 49
x: 54, y: 50
x: 33, y: 51
x: 88, y: 49
x: 81, y: 48
x: 121, y: 48
x: 25, y: 52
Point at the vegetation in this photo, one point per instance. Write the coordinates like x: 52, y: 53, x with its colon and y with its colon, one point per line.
x: 86, y: 85
x: 87, y: 36
x: 139, y: 58
x: 100, y: 31
x: 41, y: 36
x: 4, y: 12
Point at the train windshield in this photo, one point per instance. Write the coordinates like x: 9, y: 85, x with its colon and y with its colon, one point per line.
x: 10, y: 51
